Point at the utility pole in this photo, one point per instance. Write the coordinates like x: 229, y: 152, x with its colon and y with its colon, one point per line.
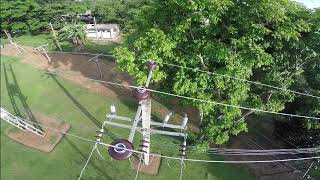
x: 96, y: 61
x: 143, y: 115
x: 42, y: 50
x: 95, y: 25
x: 19, y: 122
x: 13, y: 43
x: 55, y: 37
x: 121, y: 149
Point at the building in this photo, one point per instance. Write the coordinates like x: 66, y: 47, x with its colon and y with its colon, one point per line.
x: 102, y: 31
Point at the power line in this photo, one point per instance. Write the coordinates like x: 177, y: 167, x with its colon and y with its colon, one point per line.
x: 220, y: 151
x: 239, y: 79
x: 208, y: 72
x: 178, y: 158
x: 192, y: 98
x: 239, y: 162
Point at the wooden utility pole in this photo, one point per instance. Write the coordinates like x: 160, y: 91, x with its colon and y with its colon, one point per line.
x: 96, y: 61
x: 42, y: 50
x: 95, y: 25
x: 55, y: 36
x: 11, y: 41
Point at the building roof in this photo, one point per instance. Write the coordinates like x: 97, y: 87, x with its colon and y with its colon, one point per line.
x: 102, y: 26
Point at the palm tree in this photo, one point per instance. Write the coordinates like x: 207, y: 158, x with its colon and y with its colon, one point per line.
x: 75, y: 33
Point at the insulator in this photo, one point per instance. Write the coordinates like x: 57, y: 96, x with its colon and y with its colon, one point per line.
x: 182, y: 155
x: 140, y: 93
x: 142, y: 151
x: 167, y: 117
x: 151, y: 64
x: 113, y: 109
x: 184, y: 121
x: 101, y: 131
x: 144, y: 141
x: 143, y: 146
x: 122, y: 149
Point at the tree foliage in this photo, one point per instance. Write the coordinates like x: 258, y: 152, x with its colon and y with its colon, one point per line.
x: 34, y: 15
x: 74, y: 32
x: 264, y: 41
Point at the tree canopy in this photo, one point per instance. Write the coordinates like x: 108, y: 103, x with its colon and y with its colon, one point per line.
x: 34, y: 15
x: 272, y: 42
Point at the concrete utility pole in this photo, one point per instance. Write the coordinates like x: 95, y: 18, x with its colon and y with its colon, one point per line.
x: 143, y: 115
x: 55, y: 37
x: 121, y: 149
x: 11, y: 41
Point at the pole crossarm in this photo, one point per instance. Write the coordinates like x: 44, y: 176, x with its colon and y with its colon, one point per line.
x: 142, y: 121
x: 19, y: 122
x: 42, y: 50
x: 55, y: 37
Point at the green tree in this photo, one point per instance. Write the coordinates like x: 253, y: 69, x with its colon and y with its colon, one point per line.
x: 21, y: 15
x: 247, y: 39
x: 74, y: 32
x: 34, y: 15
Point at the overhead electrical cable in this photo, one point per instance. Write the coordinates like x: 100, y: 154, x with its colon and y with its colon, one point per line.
x: 208, y: 72
x: 178, y: 158
x: 192, y: 98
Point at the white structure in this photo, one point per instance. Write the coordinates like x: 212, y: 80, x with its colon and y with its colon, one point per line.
x: 102, y: 31
x: 19, y: 123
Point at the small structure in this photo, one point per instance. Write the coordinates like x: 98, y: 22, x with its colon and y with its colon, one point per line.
x: 102, y: 31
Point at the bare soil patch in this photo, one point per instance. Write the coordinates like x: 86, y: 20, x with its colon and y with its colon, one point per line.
x: 151, y: 169
x: 77, y: 69
x: 46, y: 143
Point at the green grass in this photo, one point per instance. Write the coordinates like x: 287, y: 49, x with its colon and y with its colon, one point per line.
x: 52, y: 138
x: 82, y: 109
x: 105, y: 47
x: 315, y: 173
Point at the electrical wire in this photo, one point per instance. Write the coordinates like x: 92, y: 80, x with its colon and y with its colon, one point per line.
x: 178, y: 158
x: 207, y: 72
x: 191, y: 98
x: 86, y: 162
x: 219, y: 151
x: 239, y: 79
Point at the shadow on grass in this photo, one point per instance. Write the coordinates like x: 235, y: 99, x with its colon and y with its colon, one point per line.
x: 14, y: 90
x: 81, y: 107
x: 76, y: 102
x: 85, y: 156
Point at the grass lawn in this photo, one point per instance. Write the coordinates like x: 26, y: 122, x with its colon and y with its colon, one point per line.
x: 84, y: 110
x: 104, y: 47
